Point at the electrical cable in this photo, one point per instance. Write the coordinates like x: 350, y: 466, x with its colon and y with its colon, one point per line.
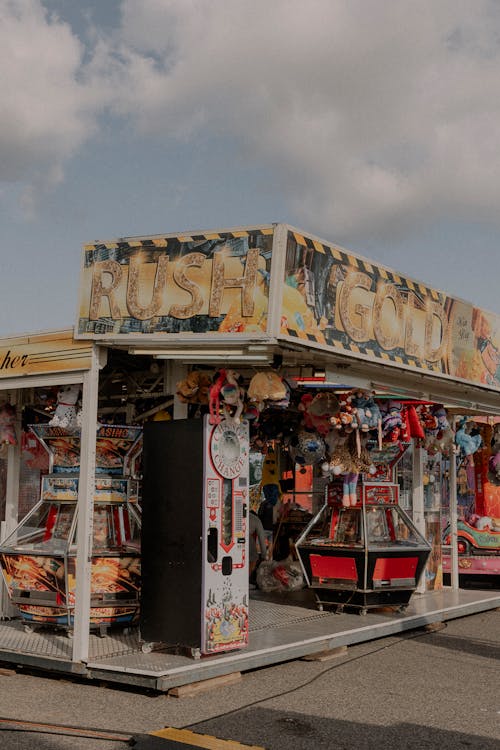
x: 304, y: 684
x: 15, y: 725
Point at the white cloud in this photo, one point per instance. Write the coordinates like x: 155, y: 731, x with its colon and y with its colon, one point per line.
x: 370, y: 114
x: 46, y: 113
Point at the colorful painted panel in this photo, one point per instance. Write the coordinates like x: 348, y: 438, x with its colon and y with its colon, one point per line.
x: 36, y: 574
x: 197, y: 284
x: 43, y: 353
x: 337, y: 300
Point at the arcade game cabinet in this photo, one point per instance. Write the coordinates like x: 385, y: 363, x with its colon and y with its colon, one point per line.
x: 367, y: 555
x: 195, y: 535
x: 38, y: 559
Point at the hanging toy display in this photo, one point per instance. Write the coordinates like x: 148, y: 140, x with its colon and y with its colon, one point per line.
x: 362, y: 404
x: 467, y: 442
x: 227, y: 393
x: 345, y: 419
x: 268, y: 388
x: 392, y: 421
x: 318, y: 411
x: 195, y: 387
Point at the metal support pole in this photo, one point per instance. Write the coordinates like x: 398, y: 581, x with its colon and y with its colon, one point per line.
x: 418, y: 499
x: 13, y: 476
x: 11, y: 503
x: 453, y: 519
x: 85, y: 511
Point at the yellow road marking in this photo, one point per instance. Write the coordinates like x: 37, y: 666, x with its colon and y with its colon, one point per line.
x: 187, y: 737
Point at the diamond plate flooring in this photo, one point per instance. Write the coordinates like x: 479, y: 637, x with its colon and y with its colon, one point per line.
x: 47, y: 642
x: 279, y: 631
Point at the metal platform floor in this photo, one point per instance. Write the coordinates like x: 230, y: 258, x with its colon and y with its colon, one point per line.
x: 281, y: 628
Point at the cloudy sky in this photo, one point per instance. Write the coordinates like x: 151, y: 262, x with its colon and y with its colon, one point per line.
x: 375, y: 125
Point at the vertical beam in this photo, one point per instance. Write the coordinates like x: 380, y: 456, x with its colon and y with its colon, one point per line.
x: 418, y: 498
x: 453, y: 518
x: 85, y: 511
x: 13, y: 475
x: 11, y: 500
x: 277, y: 277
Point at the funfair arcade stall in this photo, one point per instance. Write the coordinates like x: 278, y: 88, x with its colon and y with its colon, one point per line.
x: 345, y: 384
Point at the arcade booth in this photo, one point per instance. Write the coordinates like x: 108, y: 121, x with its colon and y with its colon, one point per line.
x: 219, y: 374
x: 38, y: 558
x: 366, y: 555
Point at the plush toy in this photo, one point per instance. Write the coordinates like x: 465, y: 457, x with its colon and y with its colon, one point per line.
x: 361, y: 403
x: 267, y: 387
x: 358, y: 403
x: 232, y: 395
x: 350, y: 489
x: 194, y: 389
x: 346, y: 418
x: 318, y: 411
x: 428, y: 419
x: 226, y: 389
x: 374, y: 414
x: 340, y: 461
x: 392, y: 421
x: 66, y: 414
x: 7, y: 425
x: 307, y: 448
x: 467, y: 442
x: 439, y: 413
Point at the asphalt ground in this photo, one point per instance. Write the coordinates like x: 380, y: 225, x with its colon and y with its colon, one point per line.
x: 417, y: 690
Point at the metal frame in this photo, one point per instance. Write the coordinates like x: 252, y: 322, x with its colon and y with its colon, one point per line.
x: 85, y: 510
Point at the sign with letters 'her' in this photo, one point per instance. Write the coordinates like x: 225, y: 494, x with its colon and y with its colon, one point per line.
x: 43, y: 353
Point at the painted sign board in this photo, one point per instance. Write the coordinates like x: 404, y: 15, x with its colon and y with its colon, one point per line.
x: 43, y: 353
x: 203, y: 283
x: 274, y: 281
x: 341, y: 302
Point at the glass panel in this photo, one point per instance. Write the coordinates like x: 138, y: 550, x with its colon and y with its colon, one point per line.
x: 377, y: 528
x: 390, y: 525
x: 45, y: 529
x: 115, y: 528
x: 404, y: 477
x: 403, y: 529
x: 349, y: 528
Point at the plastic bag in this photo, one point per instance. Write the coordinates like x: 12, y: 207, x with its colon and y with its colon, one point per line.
x: 279, y: 576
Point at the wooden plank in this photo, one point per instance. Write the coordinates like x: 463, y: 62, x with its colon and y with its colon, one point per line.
x: 187, y: 737
x: 7, y: 672
x: 434, y: 627
x: 193, y: 688
x: 332, y: 653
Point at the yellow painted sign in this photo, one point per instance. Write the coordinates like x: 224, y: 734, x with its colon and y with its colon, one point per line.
x: 43, y: 353
x: 345, y: 303
x: 202, y: 284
